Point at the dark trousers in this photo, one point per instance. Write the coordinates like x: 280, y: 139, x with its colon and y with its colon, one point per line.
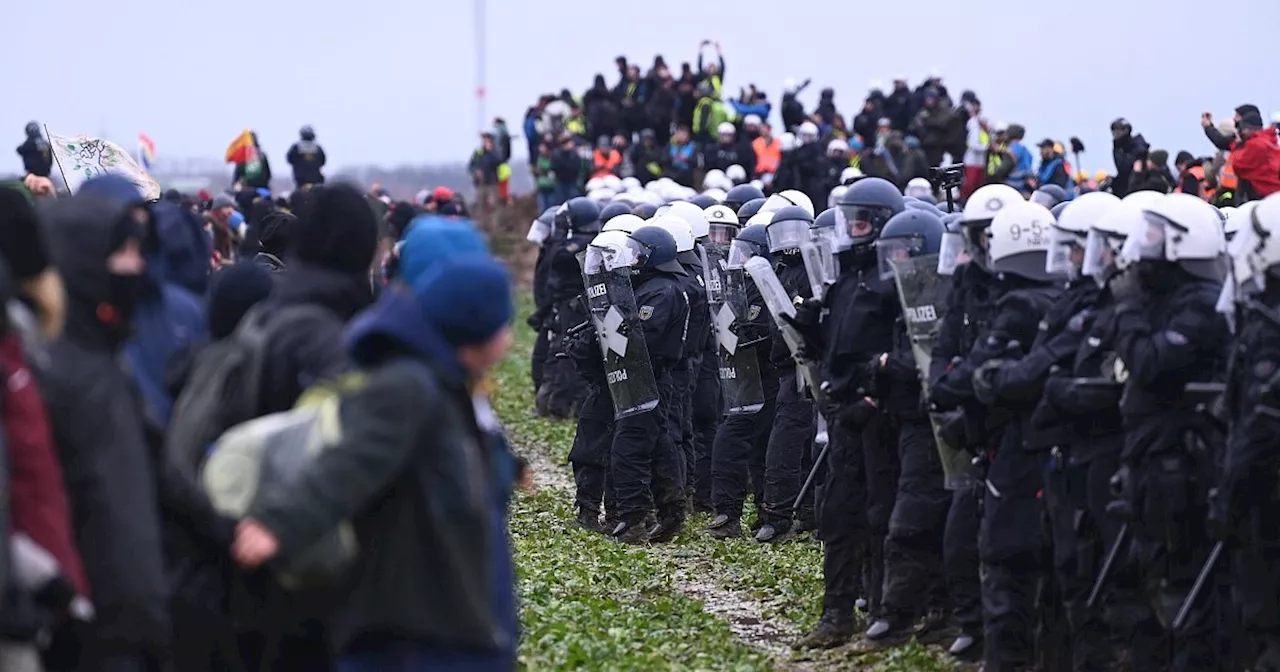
x: 961, y: 565
x: 913, y: 548
x: 539, y: 357
x: 680, y: 421
x: 789, y: 442
x: 738, y: 456
x: 842, y: 518
x: 589, y: 455
x: 668, y: 462
x: 706, y: 420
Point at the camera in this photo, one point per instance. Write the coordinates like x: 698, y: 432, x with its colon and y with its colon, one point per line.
x: 947, y: 177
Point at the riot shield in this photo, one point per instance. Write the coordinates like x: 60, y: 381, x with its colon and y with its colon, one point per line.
x: 778, y: 302
x: 740, y: 383
x: 923, y: 293
x: 612, y: 305
x: 817, y: 267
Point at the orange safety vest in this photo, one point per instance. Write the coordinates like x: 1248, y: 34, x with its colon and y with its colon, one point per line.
x: 1198, y: 171
x: 1227, y: 176
x: 605, y: 162
x: 768, y: 155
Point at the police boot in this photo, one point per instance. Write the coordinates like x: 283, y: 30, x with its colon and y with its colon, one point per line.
x: 590, y: 521
x: 966, y: 647
x: 724, y: 527
x: 665, y: 530
x: 882, y: 633
x: 771, y: 533
x: 630, y: 533
x: 542, y: 401
x: 834, y: 629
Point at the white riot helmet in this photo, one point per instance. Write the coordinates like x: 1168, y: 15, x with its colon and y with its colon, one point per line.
x: 630, y: 184
x: 1182, y: 229
x: 690, y: 213
x: 716, y: 179
x: 677, y: 227
x: 979, y: 211
x: 787, y: 198
x: 836, y: 193
x: 808, y: 132
x: 837, y: 146
x: 612, y: 182
x: 726, y: 128
x: 1256, y: 248
x: 1070, y: 233
x: 918, y: 187
x: 788, y: 141
x: 594, y: 184
x: 625, y: 223
x: 850, y: 174
x: 1018, y: 240
x: 736, y: 174
x: 722, y: 222
x: 1106, y: 238
x: 715, y: 193
x: 608, y: 251
x: 1237, y: 218
x: 762, y: 218
x: 601, y: 195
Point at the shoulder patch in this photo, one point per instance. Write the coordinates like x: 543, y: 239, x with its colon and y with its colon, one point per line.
x: 1264, y: 369
x: 1175, y: 337
x: 753, y: 313
x: 646, y: 312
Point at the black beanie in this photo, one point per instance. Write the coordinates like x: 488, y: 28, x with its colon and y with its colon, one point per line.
x: 276, y: 232
x: 337, y: 231
x: 232, y: 292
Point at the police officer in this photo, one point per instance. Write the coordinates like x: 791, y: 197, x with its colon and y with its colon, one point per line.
x: 913, y: 547
x: 1021, y: 384
x: 644, y: 466
x: 964, y: 322
x: 1244, y: 508
x: 749, y: 210
x: 589, y: 454
x: 1169, y: 335
x: 37, y: 155
x: 792, y: 431
x: 1079, y: 416
x: 1049, y: 195
x: 858, y: 493
x: 738, y: 450
x: 738, y: 196
x: 543, y: 229
x: 577, y: 222
x: 307, y: 159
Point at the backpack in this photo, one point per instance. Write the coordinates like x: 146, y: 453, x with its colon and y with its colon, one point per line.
x: 268, y: 453
x: 226, y: 381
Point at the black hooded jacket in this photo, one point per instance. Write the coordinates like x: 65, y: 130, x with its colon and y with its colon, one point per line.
x: 98, y: 428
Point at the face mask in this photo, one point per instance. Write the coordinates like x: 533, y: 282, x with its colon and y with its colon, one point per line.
x: 123, y: 294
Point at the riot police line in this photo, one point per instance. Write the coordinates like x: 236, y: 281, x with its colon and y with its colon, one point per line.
x: 1041, y: 432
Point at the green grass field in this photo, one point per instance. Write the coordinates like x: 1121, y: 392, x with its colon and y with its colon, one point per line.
x: 695, y: 604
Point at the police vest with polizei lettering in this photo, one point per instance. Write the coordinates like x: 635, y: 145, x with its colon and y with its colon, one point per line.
x: 925, y: 313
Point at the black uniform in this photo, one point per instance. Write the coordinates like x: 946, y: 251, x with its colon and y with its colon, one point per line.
x: 861, y: 479
x: 1165, y: 339
x: 791, y: 438
x: 685, y: 376
x: 589, y: 454
x: 965, y: 320
x: 560, y: 394
x: 37, y: 156
x: 540, y: 320
x: 738, y: 451
x: 1246, y: 507
x: 1010, y: 540
x: 307, y: 158
x: 643, y: 464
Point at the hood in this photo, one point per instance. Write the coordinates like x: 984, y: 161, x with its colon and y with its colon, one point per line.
x: 184, y: 248
x: 1265, y: 136
x: 343, y: 294
x: 81, y: 233
x: 396, y: 325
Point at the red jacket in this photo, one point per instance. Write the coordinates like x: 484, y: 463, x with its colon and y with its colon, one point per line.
x: 1258, y: 161
x: 37, y: 497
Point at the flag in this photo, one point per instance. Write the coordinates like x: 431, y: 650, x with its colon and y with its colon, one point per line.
x: 242, y: 148
x: 146, y: 151
x: 81, y: 158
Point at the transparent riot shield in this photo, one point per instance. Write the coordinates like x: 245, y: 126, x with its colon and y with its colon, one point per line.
x: 740, y: 383
x: 612, y: 304
x: 778, y: 303
x: 818, y: 266
x: 923, y: 293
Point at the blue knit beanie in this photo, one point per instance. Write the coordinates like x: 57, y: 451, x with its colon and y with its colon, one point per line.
x: 468, y: 298
x: 433, y: 239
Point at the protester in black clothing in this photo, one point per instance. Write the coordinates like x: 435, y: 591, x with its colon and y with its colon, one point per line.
x: 899, y: 106
x: 601, y: 109
x: 307, y: 158
x: 1128, y: 150
x: 37, y: 156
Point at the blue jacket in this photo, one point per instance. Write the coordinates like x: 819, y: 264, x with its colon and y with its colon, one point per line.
x: 1022, y: 168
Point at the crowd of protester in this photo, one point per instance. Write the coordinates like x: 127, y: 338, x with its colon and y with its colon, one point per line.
x: 234, y: 312
x: 683, y: 127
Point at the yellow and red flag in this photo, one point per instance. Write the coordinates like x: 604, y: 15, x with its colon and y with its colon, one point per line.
x: 241, y: 150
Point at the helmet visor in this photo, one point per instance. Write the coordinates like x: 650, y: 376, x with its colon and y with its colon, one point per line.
x: 739, y: 252
x: 722, y: 234
x: 975, y: 241
x: 1066, y: 253
x: 1100, y: 249
x: 1148, y: 242
x: 889, y: 250
x: 953, y: 253
x: 787, y: 235
x: 859, y: 225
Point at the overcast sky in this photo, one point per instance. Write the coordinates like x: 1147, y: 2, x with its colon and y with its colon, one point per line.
x: 393, y: 81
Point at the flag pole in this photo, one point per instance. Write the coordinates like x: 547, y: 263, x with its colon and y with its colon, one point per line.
x: 48, y: 136
x: 480, y: 30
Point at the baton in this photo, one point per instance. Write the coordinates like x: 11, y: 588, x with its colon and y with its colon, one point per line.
x: 1185, y: 610
x: 813, y: 471
x: 1107, y: 565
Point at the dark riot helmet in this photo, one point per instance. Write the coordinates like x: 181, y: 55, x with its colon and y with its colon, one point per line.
x: 749, y: 209
x: 863, y: 210
x: 614, y: 209
x: 578, y: 215
x: 740, y: 195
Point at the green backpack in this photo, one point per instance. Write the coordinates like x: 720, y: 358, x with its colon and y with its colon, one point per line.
x: 268, y: 453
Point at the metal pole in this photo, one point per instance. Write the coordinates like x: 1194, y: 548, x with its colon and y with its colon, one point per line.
x: 480, y: 30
